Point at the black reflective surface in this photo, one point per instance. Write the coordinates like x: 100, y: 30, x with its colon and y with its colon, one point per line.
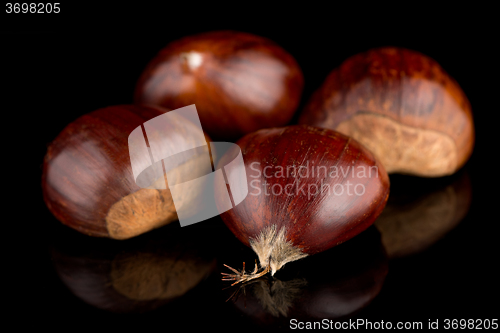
x: 432, y: 255
x: 414, y: 264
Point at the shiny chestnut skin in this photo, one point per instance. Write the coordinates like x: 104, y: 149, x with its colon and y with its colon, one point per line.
x: 239, y: 82
x: 317, y: 199
x: 87, y: 178
x: 402, y: 106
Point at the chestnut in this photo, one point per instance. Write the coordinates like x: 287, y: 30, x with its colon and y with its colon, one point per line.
x: 402, y: 106
x: 239, y: 82
x: 87, y: 178
x: 309, y: 190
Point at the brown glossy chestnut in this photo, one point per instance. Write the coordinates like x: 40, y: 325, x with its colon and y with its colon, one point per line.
x: 309, y: 189
x: 402, y: 106
x: 87, y: 177
x: 137, y: 275
x: 239, y: 82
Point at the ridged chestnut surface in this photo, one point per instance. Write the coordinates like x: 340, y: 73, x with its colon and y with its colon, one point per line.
x: 309, y: 190
x: 87, y: 178
x: 402, y: 106
x: 239, y: 82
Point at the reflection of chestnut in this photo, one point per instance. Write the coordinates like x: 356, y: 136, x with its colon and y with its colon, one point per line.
x: 137, y: 275
x: 239, y: 82
x: 421, y: 211
x: 331, y: 285
x: 402, y: 106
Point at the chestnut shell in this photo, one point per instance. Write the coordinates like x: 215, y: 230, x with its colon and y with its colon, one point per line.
x: 239, y: 82
x: 315, y: 220
x: 402, y: 106
x: 87, y: 178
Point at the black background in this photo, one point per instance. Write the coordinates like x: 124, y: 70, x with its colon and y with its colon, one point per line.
x: 55, y: 68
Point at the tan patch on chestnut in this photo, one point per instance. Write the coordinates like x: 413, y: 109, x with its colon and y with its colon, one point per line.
x: 148, y: 209
x: 140, y: 212
x: 412, y: 150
